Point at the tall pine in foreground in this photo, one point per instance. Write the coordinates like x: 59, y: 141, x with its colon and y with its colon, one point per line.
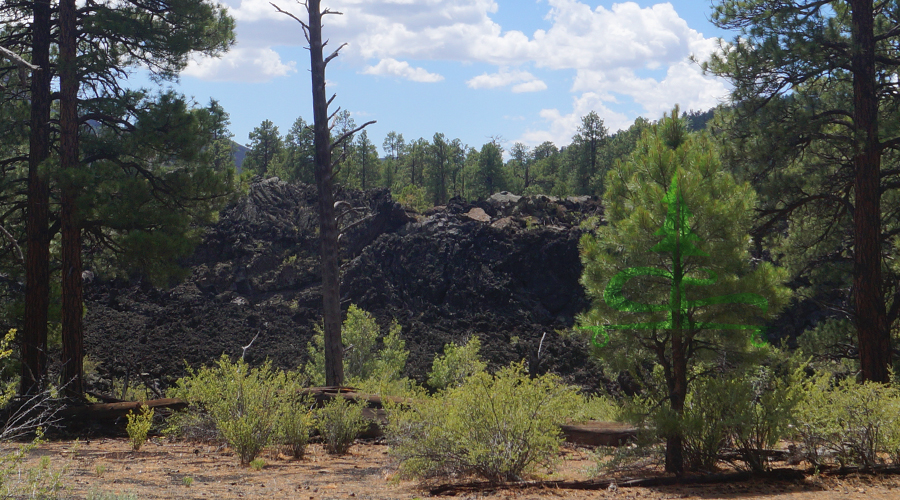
x: 96, y: 45
x: 672, y: 168
x: 823, y: 74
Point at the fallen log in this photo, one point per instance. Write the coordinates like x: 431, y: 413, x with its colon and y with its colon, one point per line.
x: 325, y: 394
x: 595, y: 433
x: 111, y: 411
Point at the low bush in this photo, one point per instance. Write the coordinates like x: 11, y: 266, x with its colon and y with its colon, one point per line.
x: 457, y: 363
x: 138, y: 426
x: 372, y: 363
x: 339, y: 422
x: 850, y: 423
x: 764, y: 413
x: 295, y: 421
x: 243, y: 402
x: 498, y: 427
x: 745, y: 411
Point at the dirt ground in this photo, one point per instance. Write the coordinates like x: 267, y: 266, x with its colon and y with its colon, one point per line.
x: 165, y: 470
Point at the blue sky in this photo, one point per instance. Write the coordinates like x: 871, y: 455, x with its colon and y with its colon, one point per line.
x: 523, y: 70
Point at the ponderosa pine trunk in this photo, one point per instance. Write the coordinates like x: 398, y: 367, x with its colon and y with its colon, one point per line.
x: 871, y: 312
x: 72, y: 295
x: 37, y: 261
x: 678, y: 380
x: 328, y: 230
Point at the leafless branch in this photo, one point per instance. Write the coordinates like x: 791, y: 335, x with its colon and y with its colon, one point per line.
x: 18, y: 60
x: 331, y: 117
x: 292, y: 16
x: 244, y: 348
x: 354, y: 224
x: 13, y: 243
x: 335, y: 53
x: 345, y: 135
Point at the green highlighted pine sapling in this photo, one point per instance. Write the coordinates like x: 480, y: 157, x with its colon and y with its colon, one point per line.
x: 673, y: 300
x: 678, y: 242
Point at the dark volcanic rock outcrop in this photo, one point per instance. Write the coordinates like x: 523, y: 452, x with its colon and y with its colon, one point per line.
x: 505, y: 269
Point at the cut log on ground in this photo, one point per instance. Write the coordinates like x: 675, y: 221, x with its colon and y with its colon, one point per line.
x: 112, y: 411
x: 595, y: 433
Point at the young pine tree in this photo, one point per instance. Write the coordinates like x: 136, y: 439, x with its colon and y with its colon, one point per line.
x: 670, y: 275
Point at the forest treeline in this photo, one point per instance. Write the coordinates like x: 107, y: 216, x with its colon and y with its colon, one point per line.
x: 427, y: 172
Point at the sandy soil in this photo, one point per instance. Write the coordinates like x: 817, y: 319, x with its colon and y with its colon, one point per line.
x: 160, y: 469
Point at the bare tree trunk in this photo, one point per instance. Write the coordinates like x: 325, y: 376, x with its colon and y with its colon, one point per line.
x: 328, y: 230
x: 324, y: 170
x: 37, y: 264
x: 871, y: 313
x: 72, y: 296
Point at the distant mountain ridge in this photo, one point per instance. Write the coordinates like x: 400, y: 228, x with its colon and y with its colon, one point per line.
x: 240, y: 152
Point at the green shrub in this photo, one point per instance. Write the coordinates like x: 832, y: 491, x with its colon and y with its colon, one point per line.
x: 494, y: 426
x: 763, y: 415
x: 339, y: 422
x: 138, y: 426
x: 295, y: 421
x: 851, y: 422
x: 456, y: 364
x: 747, y: 411
x: 413, y: 197
x: 136, y: 390
x: 243, y: 402
x: 192, y: 424
x: 367, y: 365
x: 704, y: 423
x: 598, y: 407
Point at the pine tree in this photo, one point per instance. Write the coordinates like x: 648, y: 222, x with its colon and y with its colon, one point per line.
x: 587, y: 145
x: 664, y: 277
x: 438, y: 170
x: 221, y: 147
x: 325, y: 174
x: 490, y: 170
x: 825, y: 70
x: 298, y: 162
x: 266, y: 149
x: 96, y: 44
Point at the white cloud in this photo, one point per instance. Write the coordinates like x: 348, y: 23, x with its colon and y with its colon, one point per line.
x: 402, y: 69
x: 607, y: 52
x: 241, y: 65
x: 523, y: 81
x: 258, y: 10
x: 532, y: 86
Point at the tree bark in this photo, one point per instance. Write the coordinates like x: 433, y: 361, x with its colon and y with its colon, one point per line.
x: 678, y: 381
x: 871, y: 313
x: 72, y: 296
x: 328, y: 230
x: 37, y: 264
